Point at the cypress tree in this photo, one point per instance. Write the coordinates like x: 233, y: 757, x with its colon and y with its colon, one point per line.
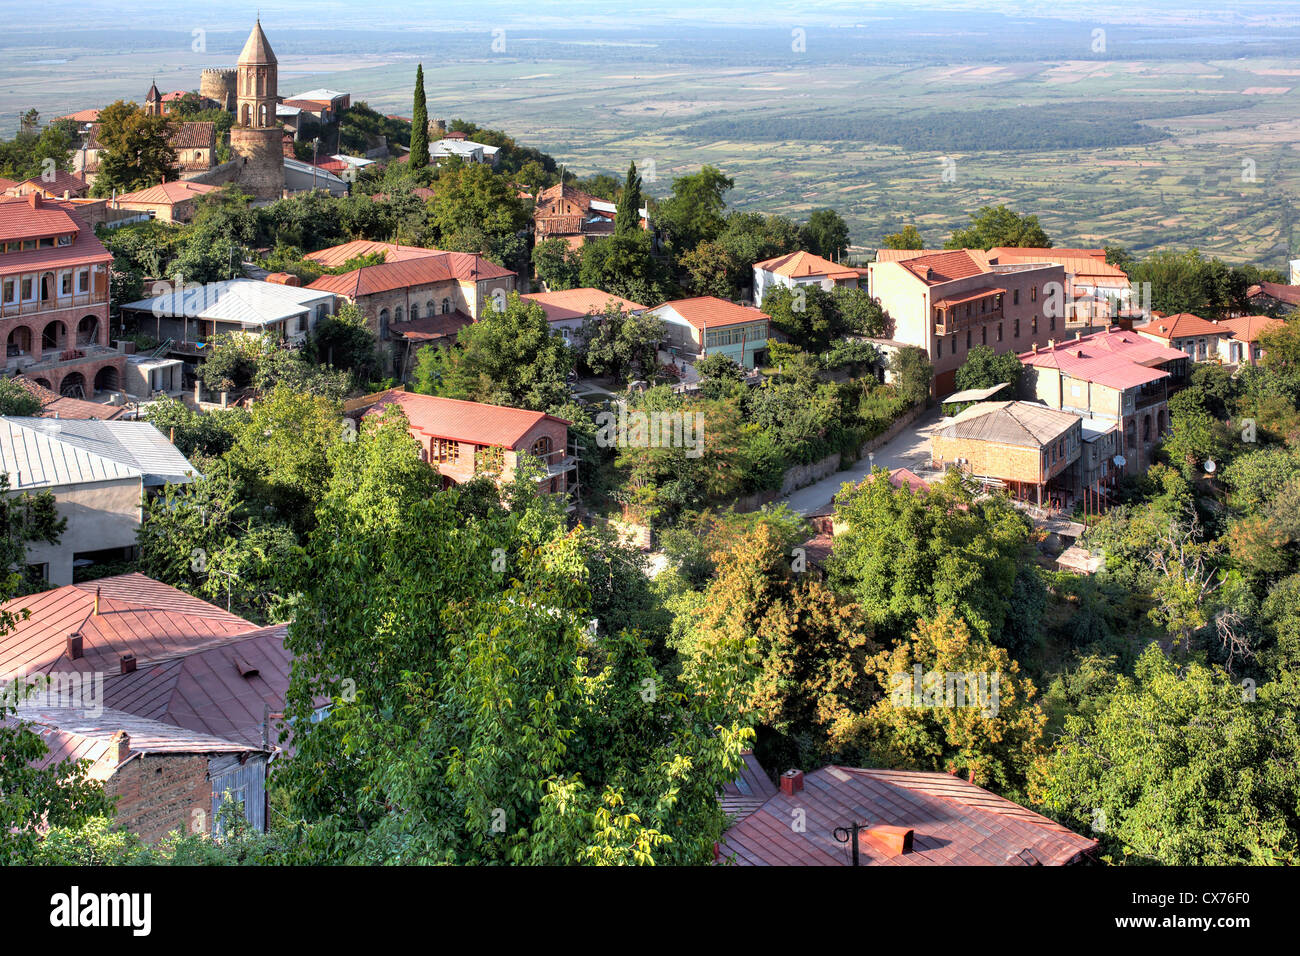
x: 419, y: 124
x: 628, y: 218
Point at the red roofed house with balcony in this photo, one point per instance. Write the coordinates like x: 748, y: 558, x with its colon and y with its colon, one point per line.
x: 54, y: 277
x: 414, y: 293
x: 464, y: 440
x: 706, y: 325
x: 1117, y: 377
x: 949, y: 302
x: 1099, y: 291
x: 577, y: 217
x: 907, y: 818
x: 567, y: 310
x: 801, y: 268
x: 1185, y: 332
x: 1239, y: 338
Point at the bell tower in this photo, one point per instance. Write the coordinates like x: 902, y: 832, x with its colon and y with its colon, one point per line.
x: 256, y: 138
x: 255, y: 79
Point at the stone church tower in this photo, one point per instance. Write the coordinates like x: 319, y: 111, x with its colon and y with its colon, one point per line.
x: 255, y: 138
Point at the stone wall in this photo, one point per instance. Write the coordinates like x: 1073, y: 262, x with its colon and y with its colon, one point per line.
x: 262, y: 152
x: 158, y: 793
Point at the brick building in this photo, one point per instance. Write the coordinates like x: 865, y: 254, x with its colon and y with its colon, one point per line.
x: 575, y: 216
x: 414, y: 292
x: 947, y: 303
x: 54, y: 293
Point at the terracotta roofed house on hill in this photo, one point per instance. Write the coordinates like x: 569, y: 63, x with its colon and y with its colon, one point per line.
x: 802, y: 268
x: 54, y: 297
x: 1188, y: 333
x: 174, y: 201
x: 706, y: 325
x: 912, y: 818
x: 463, y: 440
x: 1239, y: 338
x: 568, y: 309
x: 948, y: 303
x: 568, y: 213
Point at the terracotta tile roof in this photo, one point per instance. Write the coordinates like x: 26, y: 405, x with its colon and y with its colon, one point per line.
x: 82, y: 116
x: 1247, y: 328
x: 946, y: 266
x: 429, y: 328
x: 257, y: 49
x: 62, y: 182
x: 20, y: 220
x: 1115, y: 358
x: 423, y: 270
x: 1289, y: 294
x: 335, y: 256
x: 1049, y: 253
x: 795, y: 265
x: 708, y: 311
x: 1178, y: 326
x: 472, y: 422
x: 899, y: 477
x: 578, y: 303
x: 168, y: 194
x: 137, y: 615
x: 902, y: 255
x: 54, y: 405
x: 188, y: 135
x: 971, y: 295
x: 954, y: 823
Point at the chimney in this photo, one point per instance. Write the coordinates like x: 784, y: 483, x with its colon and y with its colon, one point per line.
x: 1051, y: 343
x: 1035, y: 346
x: 893, y: 840
x: 96, y: 612
x: 1078, y: 335
x: 75, y: 646
x: 127, y: 664
x: 791, y: 782
x: 34, y: 200
x: 67, y: 195
x: 120, y: 747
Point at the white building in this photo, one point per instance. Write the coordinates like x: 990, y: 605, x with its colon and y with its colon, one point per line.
x: 99, y: 473
x: 801, y: 268
x: 197, y: 313
x: 468, y: 150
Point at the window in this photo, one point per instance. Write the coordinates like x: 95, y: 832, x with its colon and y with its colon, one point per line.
x: 448, y: 451
x: 1033, y: 326
x: 83, y: 280
x: 999, y: 331
x: 430, y: 308
x: 968, y: 339
x: 984, y: 335
x: 383, y: 325
x: 542, y: 446
x: 65, y: 284
x: 397, y: 314
x: 1015, y: 329
x: 27, y: 288
x: 489, y: 459
x: 1051, y: 322
x: 446, y: 306
x: 1015, y: 296
x: 415, y: 311
x: 938, y: 348
x: 10, y: 290
x: 1033, y: 294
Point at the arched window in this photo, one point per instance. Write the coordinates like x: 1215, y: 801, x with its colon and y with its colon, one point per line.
x: 383, y: 325
x: 1146, y: 427
x: 430, y: 308
x: 397, y: 314
x: 415, y: 311
x: 542, y: 446
x: 446, y: 306
x: 261, y: 115
x: 244, y: 115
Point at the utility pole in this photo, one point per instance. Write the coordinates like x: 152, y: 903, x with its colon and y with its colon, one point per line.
x: 845, y: 834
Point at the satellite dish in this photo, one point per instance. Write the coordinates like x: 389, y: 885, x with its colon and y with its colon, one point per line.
x: 1210, y: 466
x: 1121, y: 461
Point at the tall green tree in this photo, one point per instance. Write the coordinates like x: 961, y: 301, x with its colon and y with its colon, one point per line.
x: 826, y: 234
x: 998, y: 226
x: 419, y: 156
x: 628, y: 217
x: 137, y: 150
x: 906, y: 238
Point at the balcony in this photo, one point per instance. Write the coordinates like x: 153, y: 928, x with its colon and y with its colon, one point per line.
x: 951, y: 324
x: 10, y: 310
x: 61, y: 358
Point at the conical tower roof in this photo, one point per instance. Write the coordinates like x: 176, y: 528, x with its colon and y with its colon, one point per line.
x: 257, y: 50
x: 153, y: 93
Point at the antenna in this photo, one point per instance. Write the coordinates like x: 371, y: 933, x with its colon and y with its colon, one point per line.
x: 845, y: 834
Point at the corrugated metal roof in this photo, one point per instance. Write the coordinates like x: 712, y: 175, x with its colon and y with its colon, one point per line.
x: 1024, y: 424
x: 34, y: 458
x: 973, y: 394
x: 246, y: 301
x: 457, y: 420
x: 137, y: 447
x: 953, y: 822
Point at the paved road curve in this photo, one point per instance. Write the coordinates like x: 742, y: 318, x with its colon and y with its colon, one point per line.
x: 905, y: 450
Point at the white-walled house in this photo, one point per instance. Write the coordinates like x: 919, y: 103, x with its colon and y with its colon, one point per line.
x: 801, y: 268
x: 195, y: 313
x: 99, y: 473
x: 568, y: 309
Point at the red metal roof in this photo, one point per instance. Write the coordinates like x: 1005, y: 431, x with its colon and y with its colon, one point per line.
x: 54, y: 405
x: 954, y: 823
x: 429, y: 328
x: 1247, y: 328
x: 1115, y: 358
x: 1274, y: 290
x: 168, y: 194
x: 1178, y: 326
x: 19, y: 219
x: 804, y: 264
x: 137, y: 615
x: 402, y: 274
x: 946, y: 266
x: 472, y: 422
x: 973, y: 295
x: 749, y: 791
x: 578, y: 303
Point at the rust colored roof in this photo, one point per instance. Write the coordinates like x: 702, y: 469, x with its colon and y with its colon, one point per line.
x: 902, y: 255
x: 795, y: 265
x: 422, y: 270
x: 54, y: 405
x: 946, y: 266
x: 429, y: 328
x: 257, y: 49
x: 137, y: 615
x: 707, y: 311
x: 904, y: 476
x: 168, y: 194
x: 749, y: 791
x: 82, y: 116
x: 335, y: 256
x: 54, y: 187
x: 472, y: 422
x: 973, y: 295
x: 954, y: 823
x: 20, y: 220
x: 578, y: 303
x: 1114, y: 358
x: 1040, y: 253
x: 1178, y: 326
x: 225, y: 690
x: 1247, y: 328
x: 1274, y: 290
x: 189, y: 135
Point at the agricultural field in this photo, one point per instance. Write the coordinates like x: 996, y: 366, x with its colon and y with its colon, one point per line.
x: 1149, y: 142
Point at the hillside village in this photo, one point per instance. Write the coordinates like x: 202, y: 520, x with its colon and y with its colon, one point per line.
x: 380, y: 491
